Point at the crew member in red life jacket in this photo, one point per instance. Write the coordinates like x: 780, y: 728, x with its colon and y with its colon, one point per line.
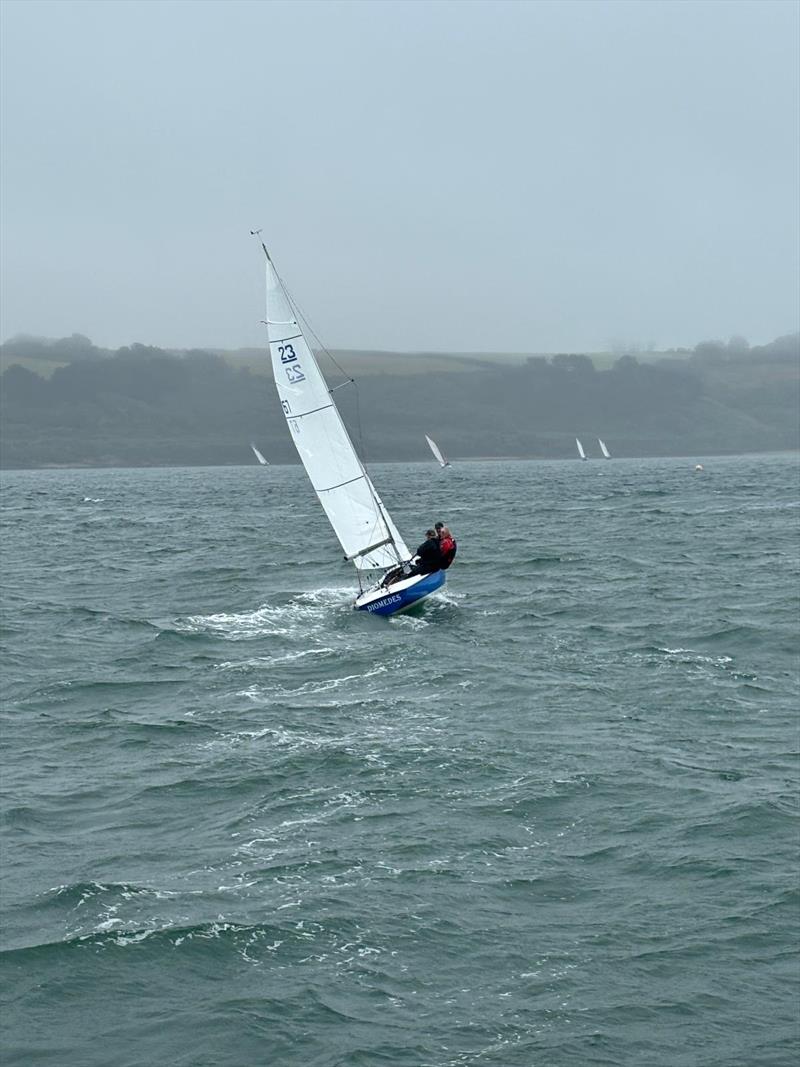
x: 447, y: 545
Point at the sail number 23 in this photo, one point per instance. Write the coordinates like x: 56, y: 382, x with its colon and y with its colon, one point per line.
x: 293, y: 371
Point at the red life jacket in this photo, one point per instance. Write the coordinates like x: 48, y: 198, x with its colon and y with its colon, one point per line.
x: 447, y: 550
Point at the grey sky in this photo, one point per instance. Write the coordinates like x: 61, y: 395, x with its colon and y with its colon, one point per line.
x: 463, y: 176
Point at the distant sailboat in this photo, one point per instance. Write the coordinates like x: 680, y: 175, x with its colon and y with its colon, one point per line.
x: 258, y: 456
x: 365, y: 530
x: 581, y: 453
x: 443, y: 461
x: 603, y: 449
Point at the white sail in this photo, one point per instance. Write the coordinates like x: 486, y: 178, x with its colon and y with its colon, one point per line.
x: 437, y: 452
x: 259, y: 457
x: 365, y: 531
x: 581, y: 453
x: 603, y: 449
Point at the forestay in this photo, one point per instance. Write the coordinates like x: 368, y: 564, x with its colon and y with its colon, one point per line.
x: 365, y: 531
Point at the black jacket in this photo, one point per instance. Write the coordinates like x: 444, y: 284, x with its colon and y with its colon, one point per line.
x: 430, y: 558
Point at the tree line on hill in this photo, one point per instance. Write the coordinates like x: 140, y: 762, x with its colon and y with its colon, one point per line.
x: 142, y: 405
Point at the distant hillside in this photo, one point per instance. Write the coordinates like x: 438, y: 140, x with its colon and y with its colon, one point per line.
x: 69, y: 403
x: 43, y: 356
x: 359, y: 364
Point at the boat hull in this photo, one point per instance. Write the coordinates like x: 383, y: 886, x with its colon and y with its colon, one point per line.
x: 401, y: 595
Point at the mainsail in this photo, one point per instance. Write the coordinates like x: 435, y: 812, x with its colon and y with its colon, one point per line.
x: 259, y: 457
x: 581, y: 453
x: 365, y: 531
x: 436, y: 451
x: 603, y: 449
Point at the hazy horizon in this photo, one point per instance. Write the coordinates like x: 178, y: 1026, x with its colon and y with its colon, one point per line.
x: 634, y: 349
x: 485, y: 177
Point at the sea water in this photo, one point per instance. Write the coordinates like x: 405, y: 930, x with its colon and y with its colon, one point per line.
x: 549, y: 819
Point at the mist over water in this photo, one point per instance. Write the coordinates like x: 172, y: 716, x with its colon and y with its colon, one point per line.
x: 548, y: 819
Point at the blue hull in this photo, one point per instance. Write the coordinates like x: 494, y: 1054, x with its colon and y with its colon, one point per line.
x: 395, y: 600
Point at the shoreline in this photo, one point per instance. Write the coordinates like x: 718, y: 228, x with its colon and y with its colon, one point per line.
x: 456, y: 461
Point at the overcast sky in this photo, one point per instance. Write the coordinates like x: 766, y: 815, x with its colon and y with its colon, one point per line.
x: 429, y: 175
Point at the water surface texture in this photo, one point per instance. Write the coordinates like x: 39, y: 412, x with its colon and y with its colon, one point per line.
x: 551, y: 819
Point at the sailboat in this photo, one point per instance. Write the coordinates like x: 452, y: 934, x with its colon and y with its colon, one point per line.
x: 365, y: 530
x: 581, y: 453
x: 603, y: 449
x: 259, y: 457
x: 443, y: 461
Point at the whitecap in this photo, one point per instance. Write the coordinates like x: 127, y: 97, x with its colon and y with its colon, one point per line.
x: 303, y: 614
x: 258, y: 662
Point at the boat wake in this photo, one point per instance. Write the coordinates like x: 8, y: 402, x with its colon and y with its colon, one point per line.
x: 304, y: 613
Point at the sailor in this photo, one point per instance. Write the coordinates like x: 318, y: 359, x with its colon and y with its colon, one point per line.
x: 428, y: 558
x: 447, y: 545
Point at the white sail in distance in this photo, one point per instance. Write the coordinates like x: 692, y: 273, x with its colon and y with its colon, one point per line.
x: 437, y: 452
x: 259, y: 457
x: 581, y: 453
x: 366, y: 533
x: 603, y: 449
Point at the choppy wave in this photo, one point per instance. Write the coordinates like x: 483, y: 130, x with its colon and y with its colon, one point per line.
x: 549, y: 818
x: 301, y: 613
